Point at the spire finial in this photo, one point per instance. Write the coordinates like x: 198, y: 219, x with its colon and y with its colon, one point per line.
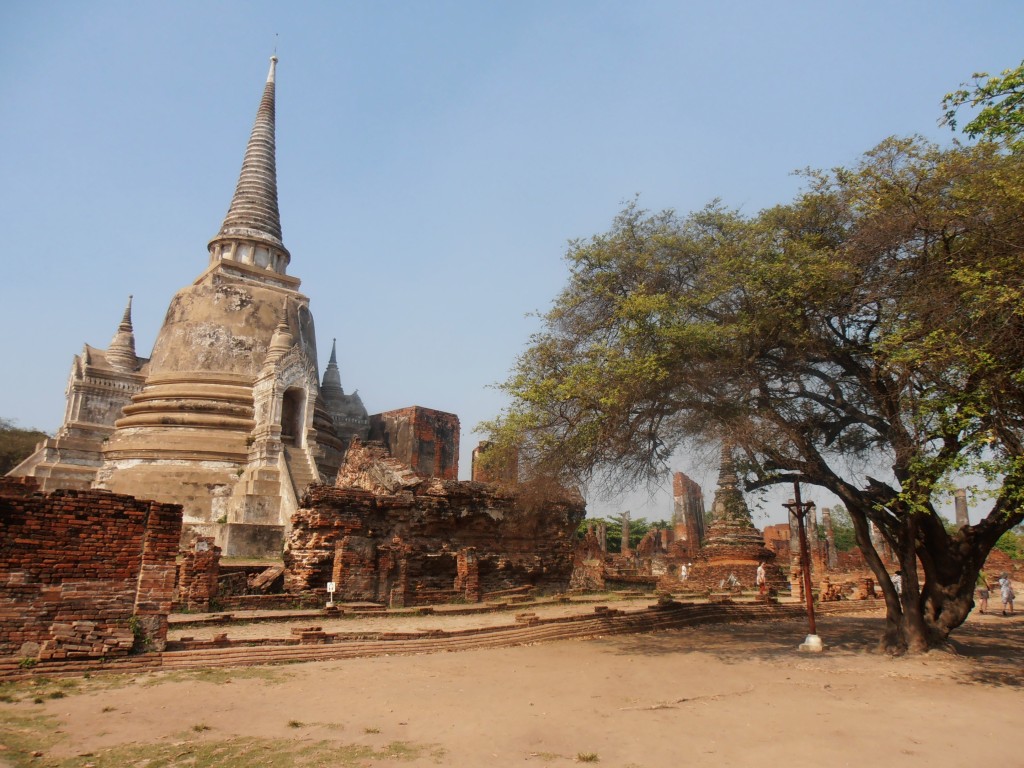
x: 729, y: 501
x: 121, y: 352
x: 282, y: 340
x: 126, y: 318
x: 332, y: 376
x: 283, y: 323
x: 251, y: 232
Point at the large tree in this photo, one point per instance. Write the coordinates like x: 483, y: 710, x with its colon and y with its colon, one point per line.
x: 867, y: 338
x: 16, y: 444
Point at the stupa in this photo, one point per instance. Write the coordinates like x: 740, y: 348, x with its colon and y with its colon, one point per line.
x: 733, y: 546
x: 227, y: 417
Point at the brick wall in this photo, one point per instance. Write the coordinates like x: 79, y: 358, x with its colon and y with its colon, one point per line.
x: 426, y: 440
x: 687, y: 515
x: 435, y: 541
x: 83, y: 570
x: 198, y: 573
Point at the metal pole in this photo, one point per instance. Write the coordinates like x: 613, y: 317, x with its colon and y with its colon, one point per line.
x: 805, y: 560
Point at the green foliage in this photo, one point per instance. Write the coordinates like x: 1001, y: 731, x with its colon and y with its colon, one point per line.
x: 16, y: 444
x: 1012, y: 543
x: 142, y: 642
x: 842, y: 529
x: 1001, y: 102
x: 613, y: 530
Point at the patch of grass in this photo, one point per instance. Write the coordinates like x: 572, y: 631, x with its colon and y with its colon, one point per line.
x: 38, y: 690
x: 371, y: 730
x: 401, y: 750
x: 200, y: 727
x: 23, y: 735
x: 587, y: 757
x: 240, y: 752
x: 296, y: 724
x: 219, y: 676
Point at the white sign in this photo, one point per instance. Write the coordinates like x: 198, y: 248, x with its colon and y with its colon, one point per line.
x: 330, y: 586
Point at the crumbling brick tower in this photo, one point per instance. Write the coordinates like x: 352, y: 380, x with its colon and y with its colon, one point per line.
x: 733, y: 547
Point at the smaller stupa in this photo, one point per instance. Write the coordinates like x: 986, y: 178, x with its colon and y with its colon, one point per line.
x: 733, y: 546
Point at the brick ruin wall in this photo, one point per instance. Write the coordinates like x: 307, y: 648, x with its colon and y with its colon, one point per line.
x: 83, y: 572
x: 687, y: 516
x: 588, y: 573
x: 439, y: 541
x: 198, y: 575
x: 425, y: 440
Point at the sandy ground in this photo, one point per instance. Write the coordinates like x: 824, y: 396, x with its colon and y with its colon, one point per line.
x: 729, y: 695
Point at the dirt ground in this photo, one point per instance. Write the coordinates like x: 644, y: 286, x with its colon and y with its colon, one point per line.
x: 727, y: 695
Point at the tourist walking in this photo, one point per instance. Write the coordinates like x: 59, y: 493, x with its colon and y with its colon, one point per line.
x: 1006, y: 593
x: 761, y: 579
x: 983, y: 587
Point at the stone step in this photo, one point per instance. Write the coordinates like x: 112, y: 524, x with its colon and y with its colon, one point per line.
x: 298, y: 469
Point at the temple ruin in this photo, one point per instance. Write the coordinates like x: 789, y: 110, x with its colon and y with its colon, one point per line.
x: 228, y: 416
x: 386, y: 533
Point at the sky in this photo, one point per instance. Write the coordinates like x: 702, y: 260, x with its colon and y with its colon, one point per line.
x: 434, y: 160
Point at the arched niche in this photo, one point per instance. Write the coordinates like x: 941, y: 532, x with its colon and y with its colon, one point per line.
x: 293, y: 416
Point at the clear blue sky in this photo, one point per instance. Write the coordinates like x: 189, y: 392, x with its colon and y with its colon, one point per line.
x: 434, y: 158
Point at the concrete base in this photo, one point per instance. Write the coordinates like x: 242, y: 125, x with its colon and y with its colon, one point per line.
x: 246, y: 540
x: 812, y: 644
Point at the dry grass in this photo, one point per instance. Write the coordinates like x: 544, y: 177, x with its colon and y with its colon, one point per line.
x: 26, y: 736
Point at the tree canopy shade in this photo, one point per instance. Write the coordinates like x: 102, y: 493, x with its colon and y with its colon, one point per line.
x: 874, y: 324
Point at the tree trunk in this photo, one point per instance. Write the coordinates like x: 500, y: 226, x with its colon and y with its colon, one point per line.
x: 924, y: 616
x: 915, y: 631
x: 892, y: 640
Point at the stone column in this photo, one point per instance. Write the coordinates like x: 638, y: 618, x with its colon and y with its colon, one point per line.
x: 602, y: 536
x: 831, y: 556
x: 814, y: 543
x: 400, y: 596
x: 794, y: 539
x: 624, y: 549
x: 881, y: 545
x: 960, y: 501
x: 467, y: 578
x: 796, y: 580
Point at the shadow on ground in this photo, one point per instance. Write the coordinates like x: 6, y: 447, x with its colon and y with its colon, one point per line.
x: 984, y: 652
x: 994, y: 648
